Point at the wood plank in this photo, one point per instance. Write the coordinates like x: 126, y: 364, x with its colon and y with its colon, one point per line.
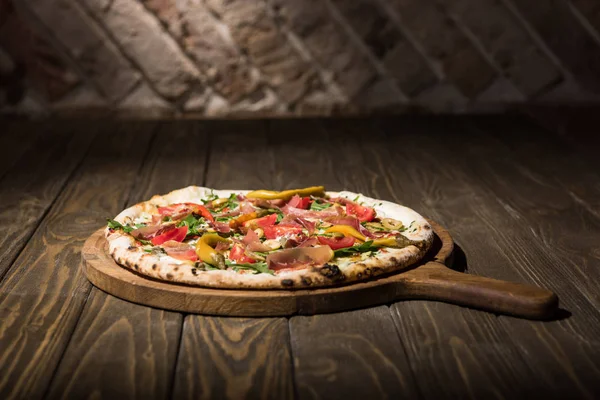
x: 240, y: 357
x: 558, y: 161
x: 561, y: 221
x: 31, y: 185
x: 16, y: 136
x: 112, y: 335
x: 44, y: 293
x: 234, y: 358
x: 118, y: 350
x: 561, y: 355
x: 329, y: 159
x: 355, y: 354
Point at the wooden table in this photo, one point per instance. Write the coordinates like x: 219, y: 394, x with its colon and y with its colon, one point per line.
x: 521, y: 204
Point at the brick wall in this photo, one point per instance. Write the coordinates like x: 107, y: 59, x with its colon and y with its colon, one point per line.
x: 295, y: 57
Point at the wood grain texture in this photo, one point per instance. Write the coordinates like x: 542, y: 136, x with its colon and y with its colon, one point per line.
x: 118, y: 350
x: 239, y: 358
x: 31, y: 185
x: 563, y: 223
x: 143, y: 341
x: 510, y: 251
x: 44, y: 292
x: 355, y: 354
x: 16, y: 136
x: 234, y: 358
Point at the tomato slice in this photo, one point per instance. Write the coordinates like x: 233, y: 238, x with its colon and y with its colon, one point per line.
x: 299, y: 202
x: 337, y: 243
x: 238, y: 255
x: 275, y: 231
x: 176, y: 234
x: 363, y: 213
x: 204, y: 212
x: 180, y: 210
x: 180, y: 251
x: 266, y: 221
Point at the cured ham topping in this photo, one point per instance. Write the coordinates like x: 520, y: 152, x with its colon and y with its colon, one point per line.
x: 299, y: 257
x: 298, y: 212
x: 180, y: 251
x: 253, y: 243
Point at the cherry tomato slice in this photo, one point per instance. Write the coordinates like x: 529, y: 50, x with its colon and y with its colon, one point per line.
x: 337, y: 243
x: 363, y: 213
x: 275, y: 231
x: 238, y: 255
x: 176, y: 234
x: 269, y: 220
x: 299, y: 202
x: 180, y: 210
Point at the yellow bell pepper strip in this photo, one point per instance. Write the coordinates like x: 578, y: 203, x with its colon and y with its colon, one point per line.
x: 350, y: 231
x: 346, y: 231
x: 239, y: 221
x: 318, y: 191
x: 206, y: 251
x: 386, y: 242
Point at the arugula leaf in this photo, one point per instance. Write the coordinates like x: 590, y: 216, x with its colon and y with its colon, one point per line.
x: 211, y: 197
x: 112, y: 224
x: 259, y: 267
x: 314, y: 206
x: 278, y: 212
x: 359, y: 248
x: 223, y: 219
x: 192, y: 223
x: 356, y: 198
x: 208, y: 267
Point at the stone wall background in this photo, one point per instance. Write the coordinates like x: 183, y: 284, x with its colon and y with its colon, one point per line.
x: 295, y: 57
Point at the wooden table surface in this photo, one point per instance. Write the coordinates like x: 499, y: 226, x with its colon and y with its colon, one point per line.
x: 522, y: 204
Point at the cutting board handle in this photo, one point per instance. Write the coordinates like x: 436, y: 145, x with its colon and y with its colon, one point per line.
x: 438, y: 282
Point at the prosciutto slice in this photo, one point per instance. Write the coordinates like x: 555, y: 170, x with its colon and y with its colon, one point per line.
x: 252, y: 242
x: 148, y: 232
x: 221, y: 227
x: 300, y: 213
x: 299, y: 257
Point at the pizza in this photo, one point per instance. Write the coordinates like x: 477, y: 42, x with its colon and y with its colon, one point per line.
x: 292, y: 239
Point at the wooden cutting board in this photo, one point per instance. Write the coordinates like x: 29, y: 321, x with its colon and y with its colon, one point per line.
x: 431, y: 279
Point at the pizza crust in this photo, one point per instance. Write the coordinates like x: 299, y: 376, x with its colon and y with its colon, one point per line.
x: 343, y: 270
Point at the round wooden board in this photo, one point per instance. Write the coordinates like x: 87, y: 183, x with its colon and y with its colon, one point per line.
x: 107, y: 275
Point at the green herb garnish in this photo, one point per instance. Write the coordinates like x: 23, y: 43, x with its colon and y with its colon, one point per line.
x: 360, y: 248
x: 258, y: 267
x: 192, y: 224
x: 208, y: 267
x: 112, y: 224
x: 278, y: 212
x: 211, y: 197
x: 315, y: 206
